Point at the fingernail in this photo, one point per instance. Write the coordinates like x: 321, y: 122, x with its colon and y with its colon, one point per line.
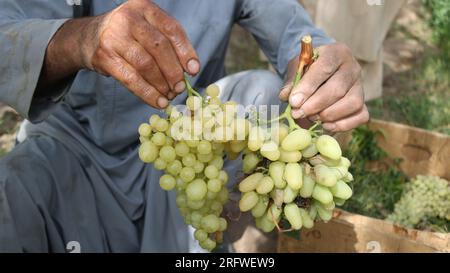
x: 329, y: 126
x: 163, y: 102
x: 193, y: 66
x: 298, y: 113
x: 297, y: 100
x: 180, y: 87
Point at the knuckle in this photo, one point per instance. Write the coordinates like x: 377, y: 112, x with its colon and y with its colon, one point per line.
x: 129, y: 78
x: 172, y: 28
x: 159, y: 42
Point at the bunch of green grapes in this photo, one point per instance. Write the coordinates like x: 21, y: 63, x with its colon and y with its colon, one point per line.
x: 424, y: 198
x: 190, y: 147
x: 294, y: 174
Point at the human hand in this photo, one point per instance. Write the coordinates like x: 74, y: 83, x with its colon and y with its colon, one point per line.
x: 331, y: 90
x: 142, y: 47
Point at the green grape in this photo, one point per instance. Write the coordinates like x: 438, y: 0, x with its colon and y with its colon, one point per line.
x: 348, y: 178
x: 296, y: 140
x: 198, y: 167
x: 208, y: 244
x: 276, y: 171
x: 143, y: 139
x: 161, y: 125
x: 222, y: 196
x: 265, y: 185
x: 324, y: 214
x: 329, y: 206
x: 312, y: 212
x: 293, y: 215
x: 293, y: 175
x: 338, y: 201
x: 154, y: 119
x: 181, y: 185
x: 159, y: 139
x: 169, y: 141
x: 279, y: 132
x: 174, y: 168
x: 160, y: 164
x: 223, y: 176
x: 265, y: 224
x: 213, y: 91
x: 329, y: 147
x: 325, y: 176
x: 289, y: 195
x: 196, y: 190
x: 322, y: 194
x: 148, y: 152
x: 192, y: 143
x: 187, y: 174
x: 261, y: 207
x: 200, y: 235
x: 211, y: 172
x: 277, y: 196
x: 218, y: 148
x: 238, y: 146
x: 167, y: 182
x: 181, y: 200
x: 167, y: 153
x: 308, y: 186
x: 181, y: 149
x: 214, y: 185
x: 250, y: 183
x: 222, y: 224
x: 204, y: 147
x: 270, y: 151
x: 195, y: 204
x: 145, y: 130
x: 306, y: 219
x: 248, y: 201
x: 210, y: 223
x: 341, y: 190
x: 250, y: 162
x: 215, y: 102
x: 217, y: 161
x: 194, y: 103
x: 211, y: 195
x: 189, y: 160
x: 290, y: 157
x: 205, y: 158
x: 274, y: 213
x: 196, y: 216
x: 310, y: 151
x: 255, y: 139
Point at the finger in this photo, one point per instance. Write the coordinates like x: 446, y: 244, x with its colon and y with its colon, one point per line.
x: 160, y: 48
x: 330, y: 92
x: 144, y: 63
x: 177, y: 36
x: 131, y: 79
x: 349, y: 123
x: 352, y: 103
x: 319, y: 72
x: 287, y: 88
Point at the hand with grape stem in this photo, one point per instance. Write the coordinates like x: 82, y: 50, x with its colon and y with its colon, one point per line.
x: 331, y: 90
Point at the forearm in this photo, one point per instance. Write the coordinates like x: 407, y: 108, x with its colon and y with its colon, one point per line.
x: 64, y: 55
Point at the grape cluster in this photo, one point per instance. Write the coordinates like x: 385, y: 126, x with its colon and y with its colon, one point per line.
x: 294, y: 174
x: 190, y: 146
x: 424, y: 198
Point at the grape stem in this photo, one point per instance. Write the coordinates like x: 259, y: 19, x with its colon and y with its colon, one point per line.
x: 191, y: 91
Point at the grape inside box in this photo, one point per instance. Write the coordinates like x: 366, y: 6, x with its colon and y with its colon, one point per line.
x: 423, y: 152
